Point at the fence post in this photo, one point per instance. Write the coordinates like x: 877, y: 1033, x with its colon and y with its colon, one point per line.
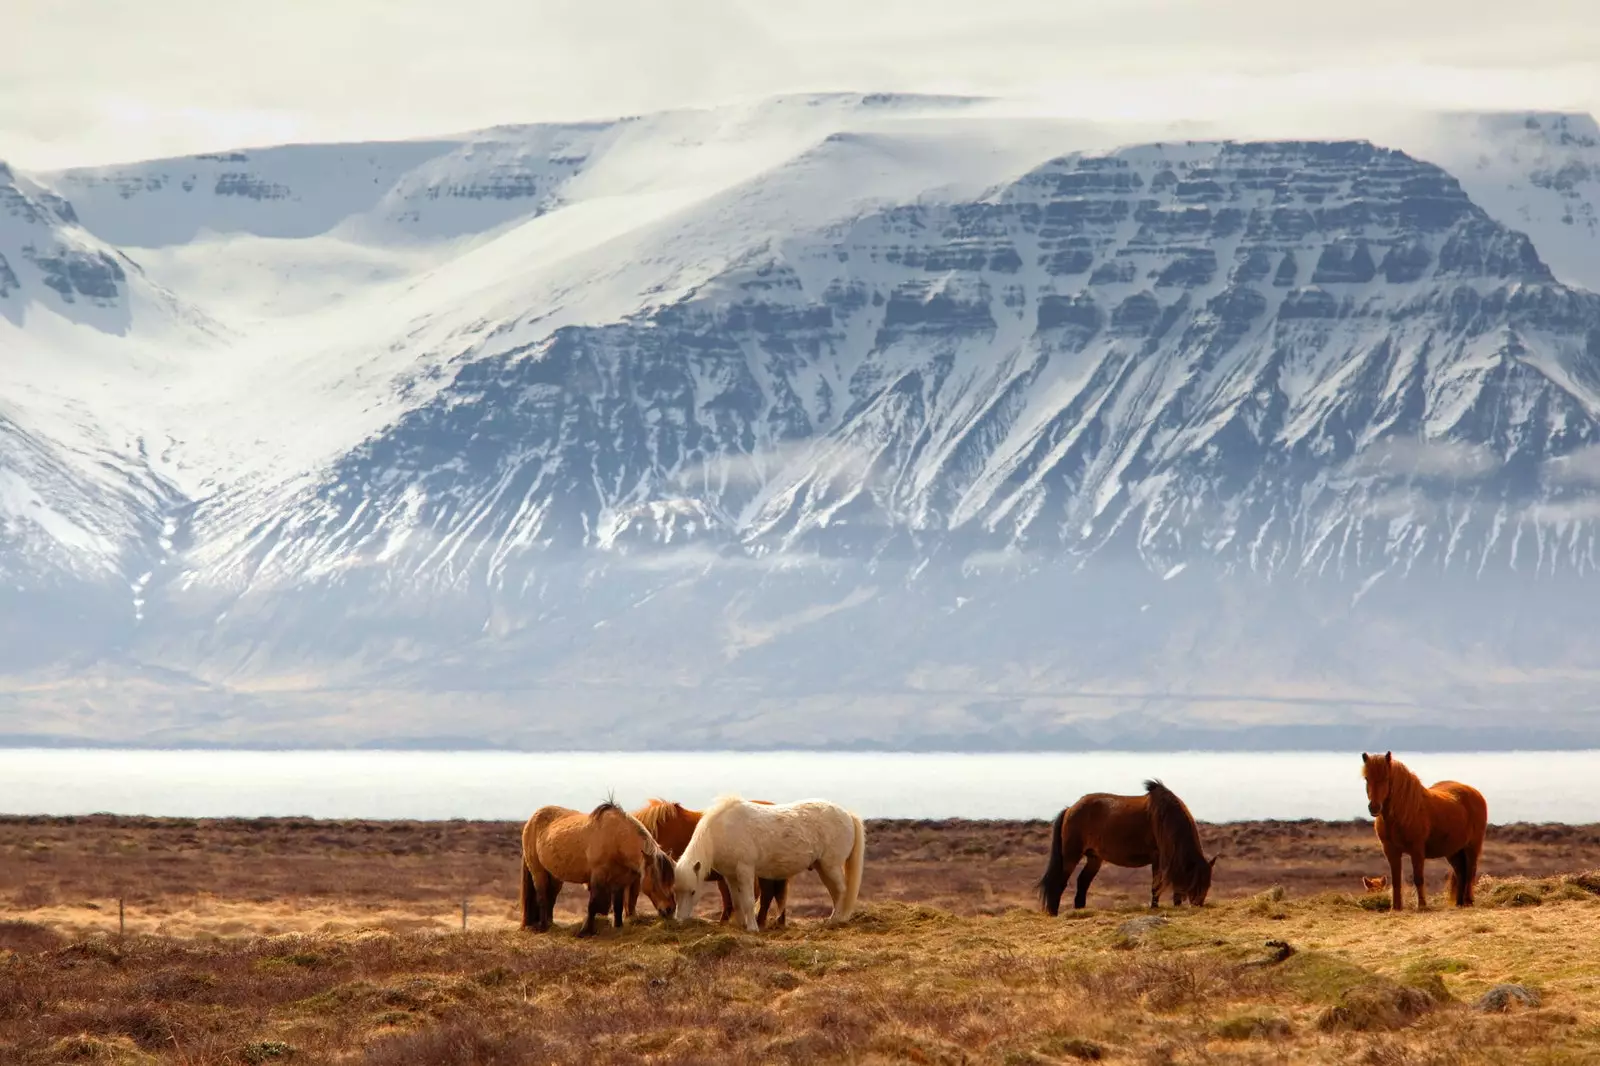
x: 463, y: 914
x: 122, y: 925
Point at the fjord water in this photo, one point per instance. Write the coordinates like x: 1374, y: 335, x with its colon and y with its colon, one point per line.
x: 1218, y: 786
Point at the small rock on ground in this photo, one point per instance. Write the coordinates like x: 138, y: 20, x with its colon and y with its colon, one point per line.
x: 1134, y: 930
x: 1500, y: 997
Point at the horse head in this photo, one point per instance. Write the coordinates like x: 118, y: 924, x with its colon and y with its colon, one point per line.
x: 659, y: 875
x: 1376, y: 771
x: 1202, y: 880
x: 687, y: 877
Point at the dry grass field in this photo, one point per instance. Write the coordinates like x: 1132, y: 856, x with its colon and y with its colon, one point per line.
x: 300, y: 941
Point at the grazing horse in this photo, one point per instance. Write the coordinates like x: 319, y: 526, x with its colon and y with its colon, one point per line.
x: 607, y: 849
x: 1445, y: 821
x: 672, y: 824
x: 1154, y: 830
x: 746, y: 841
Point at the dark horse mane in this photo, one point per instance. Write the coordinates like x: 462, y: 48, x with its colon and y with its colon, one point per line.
x: 1178, y: 839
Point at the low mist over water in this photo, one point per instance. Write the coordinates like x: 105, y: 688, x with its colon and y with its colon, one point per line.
x: 1218, y: 786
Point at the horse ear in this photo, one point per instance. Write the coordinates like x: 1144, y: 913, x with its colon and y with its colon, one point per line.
x: 1388, y: 757
x: 697, y: 866
x: 1363, y: 758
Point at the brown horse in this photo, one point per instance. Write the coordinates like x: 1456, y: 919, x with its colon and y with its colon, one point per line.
x: 1446, y: 821
x: 606, y: 849
x: 1154, y: 830
x: 672, y: 824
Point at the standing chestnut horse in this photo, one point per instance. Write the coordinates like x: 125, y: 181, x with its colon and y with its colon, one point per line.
x: 1154, y: 830
x: 607, y: 849
x: 1446, y: 821
x: 672, y: 824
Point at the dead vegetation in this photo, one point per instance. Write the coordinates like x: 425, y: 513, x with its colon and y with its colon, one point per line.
x: 1266, y: 973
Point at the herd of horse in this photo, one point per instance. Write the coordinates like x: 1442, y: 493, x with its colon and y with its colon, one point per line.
x: 751, y: 849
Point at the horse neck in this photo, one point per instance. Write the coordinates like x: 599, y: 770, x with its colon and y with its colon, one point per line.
x: 1407, y: 796
x: 1180, y: 837
x: 698, y: 848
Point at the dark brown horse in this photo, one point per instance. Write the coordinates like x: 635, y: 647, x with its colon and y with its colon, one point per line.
x: 1446, y: 821
x: 1154, y: 830
x: 672, y: 825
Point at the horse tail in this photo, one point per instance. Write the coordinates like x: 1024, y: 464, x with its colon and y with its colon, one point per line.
x: 530, y: 898
x: 1054, y: 881
x: 853, y: 866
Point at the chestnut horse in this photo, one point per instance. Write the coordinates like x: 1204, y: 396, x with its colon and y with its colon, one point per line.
x: 607, y: 849
x: 1445, y: 821
x: 1154, y: 830
x: 672, y: 824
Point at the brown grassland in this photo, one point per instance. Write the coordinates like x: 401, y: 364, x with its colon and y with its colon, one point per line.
x: 304, y: 941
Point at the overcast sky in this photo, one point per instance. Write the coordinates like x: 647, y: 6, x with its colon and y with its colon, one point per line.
x: 86, y: 81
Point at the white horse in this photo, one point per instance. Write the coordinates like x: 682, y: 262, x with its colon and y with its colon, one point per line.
x: 743, y: 841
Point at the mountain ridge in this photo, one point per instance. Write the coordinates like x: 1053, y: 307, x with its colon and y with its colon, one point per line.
x: 911, y: 366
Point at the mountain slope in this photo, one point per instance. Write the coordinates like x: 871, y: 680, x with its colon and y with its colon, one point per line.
x: 847, y: 420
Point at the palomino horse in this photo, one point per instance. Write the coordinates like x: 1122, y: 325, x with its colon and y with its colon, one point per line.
x: 1154, y: 830
x: 672, y: 824
x: 607, y: 849
x: 746, y: 841
x: 1446, y: 821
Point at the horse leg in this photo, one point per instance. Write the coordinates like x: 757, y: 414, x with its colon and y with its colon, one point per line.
x: 618, y: 902
x: 1156, y: 885
x: 1091, y: 866
x: 1416, y: 876
x: 633, y: 899
x: 768, y: 891
x: 547, y: 898
x: 530, y: 899
x: 726, y: 893
x: 742, y: 883
x: 780, y: 895
x: 833, y: 881
x: 599, y: 903
x: 1473, y: 852
x: 1395, y: 857
x: 1458, y: 877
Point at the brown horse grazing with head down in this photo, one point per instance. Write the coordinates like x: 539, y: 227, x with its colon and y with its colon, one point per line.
x: 606, y: 849
x: 1446, y: 821
x: 1154, y: 830
x: 672, y: 824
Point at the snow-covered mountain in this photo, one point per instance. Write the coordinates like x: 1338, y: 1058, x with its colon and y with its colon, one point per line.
x: 841, y: 419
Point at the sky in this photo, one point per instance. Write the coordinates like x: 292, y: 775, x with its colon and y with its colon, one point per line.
x: 96, y: 81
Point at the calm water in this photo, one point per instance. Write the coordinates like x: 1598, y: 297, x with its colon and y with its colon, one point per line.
x: 1218, y: 786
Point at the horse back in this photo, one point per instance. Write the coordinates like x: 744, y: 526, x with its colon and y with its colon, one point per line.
x: 1116, y: 828
x: 1458, y: 814
x: 559, y: 838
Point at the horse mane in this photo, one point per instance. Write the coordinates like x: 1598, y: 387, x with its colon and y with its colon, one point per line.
x: 1408, y: 797
x: 655, y: 812
x: 697, y: 841
x: 609, y: 805
x: 721, y: 803
x: 1178, y: 840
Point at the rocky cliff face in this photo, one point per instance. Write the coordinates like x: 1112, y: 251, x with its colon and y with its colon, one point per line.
x: 1233, y: 438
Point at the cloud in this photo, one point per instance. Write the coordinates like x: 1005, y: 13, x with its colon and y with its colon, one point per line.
x: 1581, y: 467
x: 82, y: 81
x: 1405, y: 503
x: 1565, y: 512
x: 1410, y: 457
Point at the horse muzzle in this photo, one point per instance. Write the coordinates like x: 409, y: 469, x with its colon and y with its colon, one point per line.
x: 1374, y: 809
